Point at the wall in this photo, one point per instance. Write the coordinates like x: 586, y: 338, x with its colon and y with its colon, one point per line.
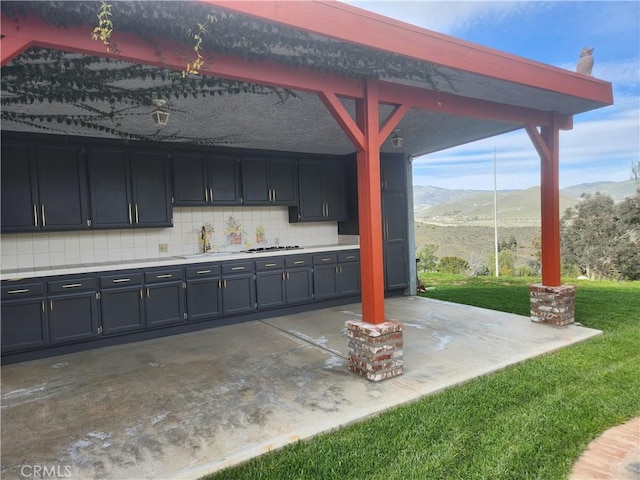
x: 29, y: 250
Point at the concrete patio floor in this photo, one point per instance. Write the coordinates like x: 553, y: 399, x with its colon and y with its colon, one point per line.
x: 191, y: 404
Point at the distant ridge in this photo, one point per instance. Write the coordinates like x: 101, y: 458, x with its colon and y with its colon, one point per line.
x: 515, y: 207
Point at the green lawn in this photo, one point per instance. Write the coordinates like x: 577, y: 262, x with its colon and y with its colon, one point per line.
x: 529, y: 421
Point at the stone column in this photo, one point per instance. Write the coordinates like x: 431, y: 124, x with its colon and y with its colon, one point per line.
x: 553, y: 305
x: 375, y: 350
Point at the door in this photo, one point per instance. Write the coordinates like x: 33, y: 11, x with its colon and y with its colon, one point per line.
x: 189, y: 180
x: 150, y: 188
x: 335, y: 190
x: 299, y: 285
x: 238, y: 294
x: 73, y: 317
x: 204, y: 299
x: 270, y: 289
x: 255, y: 190
x: 109, y: 187
x: 223, y: 172
x: 395, y: 243
x: 325, y: 283
x: 164, y: 304
x: 282, y: 181
x: 62, y: 187
x: 122, y: 310
x: 349, y: 278
x: 19, y: 188
x: 24, y: 321
x: 311, y: 190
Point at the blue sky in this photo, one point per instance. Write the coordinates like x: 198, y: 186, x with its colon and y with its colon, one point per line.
x: 603, y: 143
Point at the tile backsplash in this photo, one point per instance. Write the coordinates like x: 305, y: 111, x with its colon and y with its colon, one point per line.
x: 256, y: 226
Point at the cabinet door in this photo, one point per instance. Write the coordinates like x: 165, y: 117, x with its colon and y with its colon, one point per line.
x: 24, y: 324
x: 204, y: 299
x: 392, y: 172
x: 238, y: 294
x: 189, y: 179
x: 311, y: 190
x: 325, y: 284
x: 395, y: 243
x: 270, y: 289
x: 349, y: 278
x: 151, y: 188
x: 224, y: 180
x: 164, y: 304
x: 298, y: 285
x: 108, y: 186
x: 73, y: 317
x: 62, y: 185
x: 255, y: 190
x: 122, y: 310
x: 334, y: 190
x: 282, y: 181
x: 18, y: 189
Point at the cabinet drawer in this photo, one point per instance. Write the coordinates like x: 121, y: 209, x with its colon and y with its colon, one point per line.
x: 270, y: 264
x: 203, y: 271
x: 163, y: 276
x: 72, y: 285
x: 325, y: 258
x: 237, y: 267
x: 349, y: 257
x: 22, y: 290
x: 298, y: 261
x: 120, y: 280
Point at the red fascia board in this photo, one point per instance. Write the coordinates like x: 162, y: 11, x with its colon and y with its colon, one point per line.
x: 350, y: 24
x: 11, y: 47
x: 32, y: 30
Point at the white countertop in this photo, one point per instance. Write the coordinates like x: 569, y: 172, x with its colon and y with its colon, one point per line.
x: 18, y: 274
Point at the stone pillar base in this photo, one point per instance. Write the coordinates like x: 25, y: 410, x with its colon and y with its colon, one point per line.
x: 553, y: 305
x: 375, y: 350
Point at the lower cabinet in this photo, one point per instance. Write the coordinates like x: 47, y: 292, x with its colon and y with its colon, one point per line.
x: 164, y: 297
x: 121, y: 303
x: 348, y: 273
x: 204, y: 292
x: 23, y: 316
x: 270, y: 283
x: 238, y: 288
x: 298, y: 279
x: 336, y: 275
x: 73, y: 309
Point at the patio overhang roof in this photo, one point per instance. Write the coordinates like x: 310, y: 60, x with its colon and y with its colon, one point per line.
x: 452, y: 92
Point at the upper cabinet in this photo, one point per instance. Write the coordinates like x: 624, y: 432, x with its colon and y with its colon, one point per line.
x: 205, y: 179
x: 129, y: 187
x: 269, y: 181
x: 43, y: 187
x: 322, y: 191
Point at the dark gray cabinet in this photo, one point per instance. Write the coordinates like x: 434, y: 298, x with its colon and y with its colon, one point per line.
x: 394, y: 222
x: 43, y: 187
x: 238, y: 287
x: 270, y: 278
x: 269, y: 181
x: 322, y: 191
x: 73, y: 309
x: 298, y: 279
x: 129, y: 187
x: 23, y: 316
x: 205, y: 179
x: 121, y: 303
x: 204, y: 292
x: 336, y: 275
x: 164, y: 297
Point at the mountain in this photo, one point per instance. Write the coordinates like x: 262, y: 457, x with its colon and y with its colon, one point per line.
x: 515, y: 207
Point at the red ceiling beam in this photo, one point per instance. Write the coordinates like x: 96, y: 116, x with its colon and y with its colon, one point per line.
x: 11, y: 47
x: 346, y: 23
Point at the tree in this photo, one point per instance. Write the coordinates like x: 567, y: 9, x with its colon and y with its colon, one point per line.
x: 506, y: 262
x: 510, y: 244
x: 453, y: 265
x: 427, y: 259
x: 602, y: 238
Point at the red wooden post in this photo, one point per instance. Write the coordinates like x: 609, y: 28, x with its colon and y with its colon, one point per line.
x: 550, y: 206
x: 370, y: 209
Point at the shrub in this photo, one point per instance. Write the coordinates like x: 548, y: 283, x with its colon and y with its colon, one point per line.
x: 452, y: 265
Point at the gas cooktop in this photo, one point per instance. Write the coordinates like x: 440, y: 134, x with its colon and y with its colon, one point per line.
x: 269, y: 249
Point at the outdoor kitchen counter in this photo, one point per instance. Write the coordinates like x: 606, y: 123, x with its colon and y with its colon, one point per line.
x: 19, y: 274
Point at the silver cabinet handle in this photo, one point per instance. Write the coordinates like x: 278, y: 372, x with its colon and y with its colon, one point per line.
x: 22, y: 290
x: 237, y: 268
x: 72, y: 285
x: 44, y: 220
x: 167, y: 275
x: 270, y: 264
x: 206, y: 195
x: 202, y: 272
x: 325, y: 259
x: 51, y: 305
x: 350, y: 257
x: 298, y: 262
x: 274, y: 194
x: 147, y: 293
x: 121, y: 280
x: 42, y: 305
x: 35, y: 214
x: 130, y: 221
x: 211, y: 194
x: 137, y: 220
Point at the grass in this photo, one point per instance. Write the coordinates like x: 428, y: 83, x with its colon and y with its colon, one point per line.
x: 529, y: 421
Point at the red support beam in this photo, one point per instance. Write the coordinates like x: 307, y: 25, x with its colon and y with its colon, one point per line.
x: 550, y: 207
x: 392, y: 121
x: 538, y: 142
x: 370, y: 209
x: 348, y: 125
